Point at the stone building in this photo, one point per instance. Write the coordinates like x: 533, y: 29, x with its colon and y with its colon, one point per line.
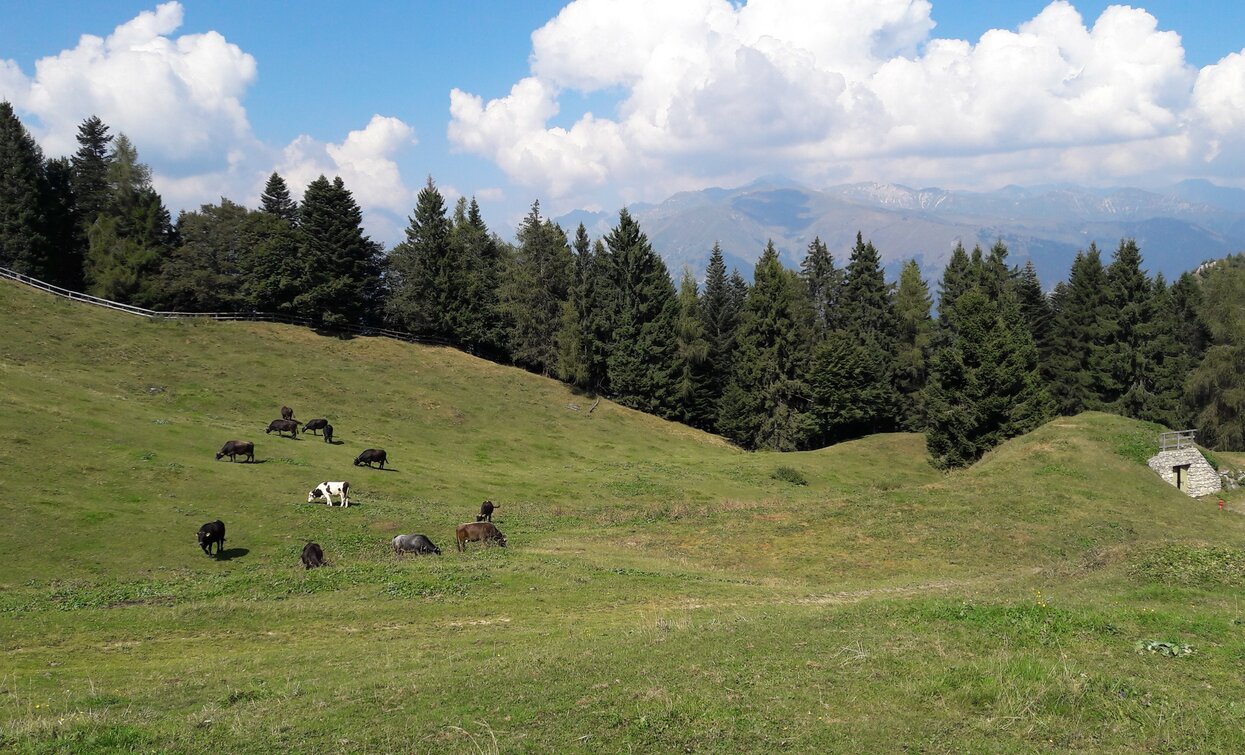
x: 1182, y: 465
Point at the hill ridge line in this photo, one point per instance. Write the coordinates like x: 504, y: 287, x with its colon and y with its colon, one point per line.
x: 361, y: 330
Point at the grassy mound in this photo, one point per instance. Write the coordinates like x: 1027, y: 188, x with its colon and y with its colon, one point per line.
x: 662, y: 590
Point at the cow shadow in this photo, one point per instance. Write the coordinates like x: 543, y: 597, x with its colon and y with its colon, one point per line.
x: 336, y: 442
x: 257, y: 461
x: 230, y: 554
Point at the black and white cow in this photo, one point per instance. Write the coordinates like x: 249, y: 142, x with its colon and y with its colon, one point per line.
x: 327, y: 490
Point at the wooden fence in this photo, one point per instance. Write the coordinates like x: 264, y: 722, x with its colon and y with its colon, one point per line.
x: 359, y: 330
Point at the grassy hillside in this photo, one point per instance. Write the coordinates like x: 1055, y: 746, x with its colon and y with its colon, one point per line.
x: 662, y: 590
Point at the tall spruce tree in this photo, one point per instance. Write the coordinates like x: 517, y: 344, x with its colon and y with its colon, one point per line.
x: 640, y: 367
x: 481, y: 328
x: 693, y: 397
x: 720, y: 310
x: 984, y: 384
x: 63, y: 226
x: 276, y: 200
x: 767, y: 404
x: 131, y: 234
x: 824, y: 283
x: 272, y: 269
x: 1035, y: 308
x: 428, y: 271
x: 1082, y: 327
x: 868, y: 313
x: 23, y: 242
x: 956, y: 281
x: 583, y: 340
x: 914, y: 341
x: 1216, y: 388
x: 535, y: 286
x: 1127, y: 369
x: 90, y: 170
x: 343, y: 264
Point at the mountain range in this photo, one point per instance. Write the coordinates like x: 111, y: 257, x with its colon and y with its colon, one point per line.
x: 1176, y: 227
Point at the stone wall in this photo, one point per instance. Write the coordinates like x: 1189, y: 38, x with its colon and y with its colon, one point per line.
x: 1199, y: 479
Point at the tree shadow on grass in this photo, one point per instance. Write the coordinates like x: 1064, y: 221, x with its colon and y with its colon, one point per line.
x: 230, y: 554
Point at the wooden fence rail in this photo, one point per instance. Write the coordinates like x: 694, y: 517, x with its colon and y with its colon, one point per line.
x: 360, y: 330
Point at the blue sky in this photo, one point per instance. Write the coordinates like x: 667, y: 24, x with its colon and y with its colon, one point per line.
x: 682, y: 94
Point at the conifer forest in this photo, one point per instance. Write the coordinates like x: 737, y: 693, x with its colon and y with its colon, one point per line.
x: 788, y: 360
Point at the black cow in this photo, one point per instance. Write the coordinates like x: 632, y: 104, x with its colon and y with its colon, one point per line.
x: 212, y: 532
x: 315, y: 424
x: 371, y: 455
x: 283, y: 426
x: 486, y: 511
x: 313, y: 556
x: 419, y: 544
x: 237, y: 448
x: 287, y: 413
x: 328, y: 433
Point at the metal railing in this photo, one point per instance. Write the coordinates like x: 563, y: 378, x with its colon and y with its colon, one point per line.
x: 1177, y: 440
x: 360, y: 330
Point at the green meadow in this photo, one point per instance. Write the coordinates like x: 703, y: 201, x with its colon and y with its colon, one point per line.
x: 662, y: 591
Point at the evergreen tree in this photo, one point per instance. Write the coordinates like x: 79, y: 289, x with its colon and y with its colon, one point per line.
x: 824, y: 283
x: 868, y: 313
x: 984, y: 385
x: 767, y: 404
x: 640, y: 367
x: 202, y: 273
x: 993, y: 273
x: 1159, y: 395
x: 848, y: 399
x: 1082, y: 327
x: 276, y: 200
x: 343, y: 264
x: 429, y: 277
x: 90, y: 170
x: 1216, y: 388
x: 481, y: 328
x: 1130, y: 325
x: 914, y: 341
x: 125, y: 253
x: 956, y: 281
x: 64, y: 227
x: 720, y: 310
x: 272, y: 270
x: 583, y: 340
x: 694, y: 401
x: 1035, y: 308
x: 536, y: 285
x: 23, y: 243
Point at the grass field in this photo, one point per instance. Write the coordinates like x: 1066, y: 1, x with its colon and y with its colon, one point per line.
x: 662, y: 590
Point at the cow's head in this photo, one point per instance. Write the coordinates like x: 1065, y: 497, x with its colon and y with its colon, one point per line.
x: 219, y: 456
x: 313, y: 495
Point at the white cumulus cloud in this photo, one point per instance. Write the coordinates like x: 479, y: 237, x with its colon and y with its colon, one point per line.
x: 711, y: 90
x: 364, y: 160
x: 178, y: 98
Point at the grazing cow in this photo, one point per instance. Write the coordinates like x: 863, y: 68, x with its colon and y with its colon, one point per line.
x: 417, y: 544
x: 283, y: 426
x: 371, y: 455
x: 486, y: 511
x: 212, y: 532
x: 237, y: 448
x: 327, y: 490
x: 314, y: 424
x: 313, y: 556
x: 328, y: 433
x: 287, y: 413
x: 478, y: 532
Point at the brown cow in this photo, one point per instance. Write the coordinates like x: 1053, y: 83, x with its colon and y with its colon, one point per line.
x: 287, y: 413
x: 478, y: 532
